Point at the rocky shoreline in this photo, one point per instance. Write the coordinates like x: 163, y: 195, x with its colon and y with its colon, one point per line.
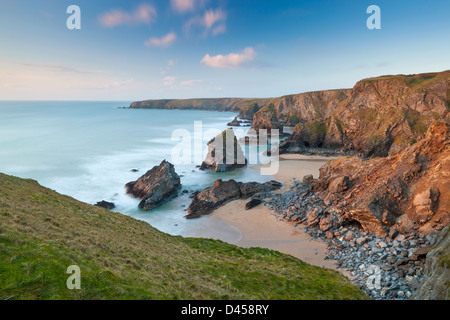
x: 383, y: 267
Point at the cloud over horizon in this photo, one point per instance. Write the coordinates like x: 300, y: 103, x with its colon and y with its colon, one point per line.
x: 230, y: 61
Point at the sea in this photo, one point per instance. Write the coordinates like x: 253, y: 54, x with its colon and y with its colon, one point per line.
x: 90, y: 150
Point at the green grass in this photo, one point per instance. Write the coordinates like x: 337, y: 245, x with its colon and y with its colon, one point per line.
x: 43, y: 232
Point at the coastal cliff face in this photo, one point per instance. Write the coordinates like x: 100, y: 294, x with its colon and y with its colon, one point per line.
x: 407, y: 192
x: 299, y: 108
x: 380, y: 116
x: 435, y: 283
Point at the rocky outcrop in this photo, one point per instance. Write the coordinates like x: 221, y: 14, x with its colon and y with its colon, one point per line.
x: 252, y: 204
x: 266, y: 119
x: 379, y: 116
x: 158, y: 186
x: 250, y: 189
x: 435, y: 284
x: 105, y: 204
x: 299, y: 108
x: 206, y: 201
x: 248, y: 111
x: 408, y: 191
x: 224, y: 153
x: 234, y: 123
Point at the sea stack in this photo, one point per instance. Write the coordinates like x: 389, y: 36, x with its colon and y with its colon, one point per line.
x: 224, y: 153
x: 158, y: 186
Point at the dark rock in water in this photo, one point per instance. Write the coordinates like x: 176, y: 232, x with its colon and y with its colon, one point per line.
x: 252, y: 203
x: 209, y: 199
x: 158, y: 186
x: 105, y: 204
x: 185, y: 191
x: 134, y: 170
x: 222, y: 158
x: 234, y: 123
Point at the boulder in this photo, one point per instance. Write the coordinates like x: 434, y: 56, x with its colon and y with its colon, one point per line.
x: 211, y: 198
x: 252, y: 203
x: 251, y: 188
x: 224, y: 153
x: 158, y: 186
x: 105, y: 204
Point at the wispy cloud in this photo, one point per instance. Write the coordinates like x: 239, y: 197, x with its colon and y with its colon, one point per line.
x: 190, y: 83
x: 163, y: 42
x: 182, y: 6
x: 144, y: 14
x: 212, y: 22
x: 169, y: 81
x: 230, y: 61
x: 55, y: 67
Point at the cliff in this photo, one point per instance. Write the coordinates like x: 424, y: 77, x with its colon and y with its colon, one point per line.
x: 407, y: 192
x: 216, y: 104
x: 435, y: 285
x: 379, y: 116
x: 298, y: 108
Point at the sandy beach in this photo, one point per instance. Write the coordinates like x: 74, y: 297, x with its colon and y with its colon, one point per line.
x: 260, y: 228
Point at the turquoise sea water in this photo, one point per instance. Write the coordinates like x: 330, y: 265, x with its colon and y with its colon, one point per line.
x: 87, y: 149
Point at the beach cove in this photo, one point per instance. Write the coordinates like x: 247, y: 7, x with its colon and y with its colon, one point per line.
x: 259, y: 227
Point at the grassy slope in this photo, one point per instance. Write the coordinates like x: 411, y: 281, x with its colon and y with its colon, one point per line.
x: 43, y: 232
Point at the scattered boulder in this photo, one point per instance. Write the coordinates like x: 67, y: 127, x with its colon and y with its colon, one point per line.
x: 252, y: 203
x: 105, y: 204
x: 222, y: 158
x: 158, y: 186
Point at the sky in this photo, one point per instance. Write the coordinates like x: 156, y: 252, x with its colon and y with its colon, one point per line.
x: 161, y: 49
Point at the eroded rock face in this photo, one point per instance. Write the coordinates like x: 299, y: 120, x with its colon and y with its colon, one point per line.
x: 158, y: 186
x: 408, y: 191
x: 222, y: 192
x: 224, y: 156
x: 378, y: 117
x: 435, y: 285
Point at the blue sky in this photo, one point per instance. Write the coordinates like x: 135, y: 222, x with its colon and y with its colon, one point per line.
x: 133, y: 50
